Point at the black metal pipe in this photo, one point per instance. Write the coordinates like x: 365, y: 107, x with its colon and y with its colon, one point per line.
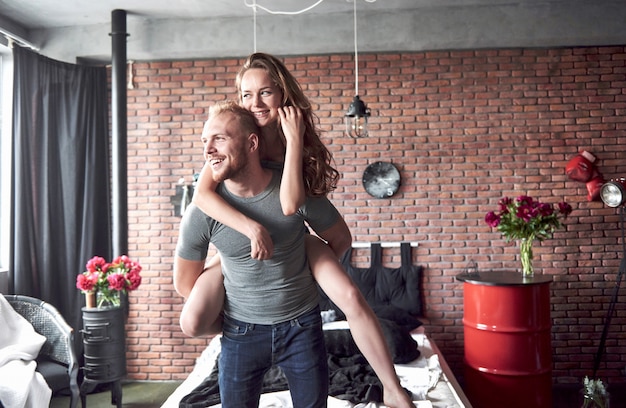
x: 119, y: 123
x: 611, y: 310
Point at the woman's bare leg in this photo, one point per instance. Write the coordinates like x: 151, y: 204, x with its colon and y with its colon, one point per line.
x: 201, y: 314
x: 363, y: 323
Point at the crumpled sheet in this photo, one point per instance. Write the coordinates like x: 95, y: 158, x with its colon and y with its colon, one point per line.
x: 20, y: 385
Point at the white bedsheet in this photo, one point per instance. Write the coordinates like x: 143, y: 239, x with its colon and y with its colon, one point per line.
x: 419, y: 377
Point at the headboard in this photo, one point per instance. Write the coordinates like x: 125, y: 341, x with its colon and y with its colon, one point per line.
x: 393, y: 293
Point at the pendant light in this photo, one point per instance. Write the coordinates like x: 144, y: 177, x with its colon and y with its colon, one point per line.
x: 356, y: 117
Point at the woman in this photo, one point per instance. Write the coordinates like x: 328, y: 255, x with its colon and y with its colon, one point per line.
x: 266, y: 88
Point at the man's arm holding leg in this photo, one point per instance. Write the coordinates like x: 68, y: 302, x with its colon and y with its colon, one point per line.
x: 203, y: 288
x: 185, y: 274
x: 338, y: 237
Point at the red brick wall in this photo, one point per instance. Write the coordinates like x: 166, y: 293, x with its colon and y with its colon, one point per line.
x: 464, y: 128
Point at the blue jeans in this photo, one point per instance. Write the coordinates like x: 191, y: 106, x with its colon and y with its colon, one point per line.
x: 250, y: 350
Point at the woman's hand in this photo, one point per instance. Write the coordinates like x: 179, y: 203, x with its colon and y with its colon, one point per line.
x: 261, y: 244
x: 292, y: 125
x: 292, y: 192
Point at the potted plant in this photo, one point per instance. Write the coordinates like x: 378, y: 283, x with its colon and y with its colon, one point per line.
x: 594, y: 394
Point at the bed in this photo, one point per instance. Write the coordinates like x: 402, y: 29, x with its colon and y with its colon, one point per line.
x: 395, y: 297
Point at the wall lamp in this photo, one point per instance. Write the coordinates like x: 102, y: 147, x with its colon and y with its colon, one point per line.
x: 183, y: 195
x: 613, y: 193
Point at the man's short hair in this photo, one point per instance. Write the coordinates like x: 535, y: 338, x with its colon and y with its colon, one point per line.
x: 245, y: 118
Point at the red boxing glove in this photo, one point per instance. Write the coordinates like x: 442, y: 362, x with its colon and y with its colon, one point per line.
x: 594, y: 186
x: 581, y: 168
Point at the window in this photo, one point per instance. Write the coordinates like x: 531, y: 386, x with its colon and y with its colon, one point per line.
x: 6, y: 93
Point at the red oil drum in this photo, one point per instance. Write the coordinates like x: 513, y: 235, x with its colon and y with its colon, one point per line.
x: 508, y: 352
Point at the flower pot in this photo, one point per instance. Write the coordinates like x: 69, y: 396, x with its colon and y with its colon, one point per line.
x: 597, y: 402
x: 594, y: 394
x: 90, y: 300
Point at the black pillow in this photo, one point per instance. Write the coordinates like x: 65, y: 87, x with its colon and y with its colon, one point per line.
x: 401, y: 317
x: 402, y: 346
x: 382, y: 286
x: 340, y: 343
x: 399, y: 287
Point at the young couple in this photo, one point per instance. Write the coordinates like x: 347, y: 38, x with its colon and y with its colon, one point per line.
x: 254, y: 214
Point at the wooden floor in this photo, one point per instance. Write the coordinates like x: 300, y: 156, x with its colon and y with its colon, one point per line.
x: 148, y: 394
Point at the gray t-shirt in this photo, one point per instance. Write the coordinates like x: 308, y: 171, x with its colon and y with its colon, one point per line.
x: 261, y: 292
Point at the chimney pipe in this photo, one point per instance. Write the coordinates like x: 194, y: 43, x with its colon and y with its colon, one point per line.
x: 119, y: 122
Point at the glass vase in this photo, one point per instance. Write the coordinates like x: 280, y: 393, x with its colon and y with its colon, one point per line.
x: 526, y: 255
x: 108, y: 298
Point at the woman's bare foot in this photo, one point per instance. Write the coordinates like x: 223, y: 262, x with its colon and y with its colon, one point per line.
x: 397, y: 399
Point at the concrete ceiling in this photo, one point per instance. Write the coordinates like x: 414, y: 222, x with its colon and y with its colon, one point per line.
x: 42, y: 14
x: 79, y: 30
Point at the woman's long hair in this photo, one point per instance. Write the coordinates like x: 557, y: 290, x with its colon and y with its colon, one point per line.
x: 320, y: 177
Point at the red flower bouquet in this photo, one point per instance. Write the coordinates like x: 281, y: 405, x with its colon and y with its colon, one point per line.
x: 108, y: 280
x: 527, y: 219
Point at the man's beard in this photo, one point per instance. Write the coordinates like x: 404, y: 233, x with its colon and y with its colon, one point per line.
x: 235, y: 170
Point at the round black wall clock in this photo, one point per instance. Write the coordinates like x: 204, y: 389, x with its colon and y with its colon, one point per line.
x: 381, y: 179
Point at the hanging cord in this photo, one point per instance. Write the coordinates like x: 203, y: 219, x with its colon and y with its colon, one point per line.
x: 255, y: 7
x: 289, y: 13
x: 254, y: 23
x: 356, y: 55
x: 609, y: 314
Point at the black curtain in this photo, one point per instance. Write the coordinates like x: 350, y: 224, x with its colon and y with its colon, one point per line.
x: 60, y: 214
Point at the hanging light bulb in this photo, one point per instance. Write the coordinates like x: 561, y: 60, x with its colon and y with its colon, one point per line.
x: 356, y: 117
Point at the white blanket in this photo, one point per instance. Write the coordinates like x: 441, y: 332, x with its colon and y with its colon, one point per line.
x: 20, y: 385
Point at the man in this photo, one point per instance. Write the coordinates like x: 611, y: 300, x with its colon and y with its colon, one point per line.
x: 271, y: 312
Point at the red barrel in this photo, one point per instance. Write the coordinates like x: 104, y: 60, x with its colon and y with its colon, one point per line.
x: 508, y: 352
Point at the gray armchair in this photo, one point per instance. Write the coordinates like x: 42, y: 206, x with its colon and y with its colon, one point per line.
x: 57, y: 361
